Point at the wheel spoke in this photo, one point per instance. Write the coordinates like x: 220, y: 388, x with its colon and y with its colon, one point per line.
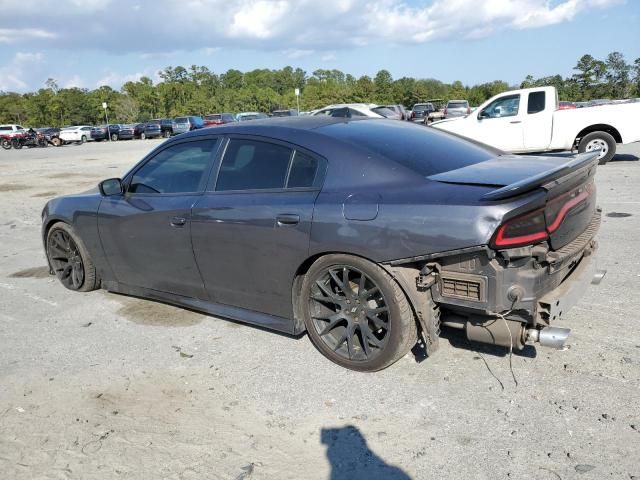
x: 370, y: 338
x: 336, y: 279
x: 369, y: 293
x: 326, y: 291
x: 346, y: 285
x: 342, y: 339
x: 333, y: 321
x: 350, y: 333
x: 378, y: 322
x: 361, y: 284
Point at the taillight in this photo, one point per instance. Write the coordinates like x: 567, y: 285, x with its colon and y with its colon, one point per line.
x: 468, y: 110
x: 522, y: 230
x: 537, y: 225
x: 413, y: 114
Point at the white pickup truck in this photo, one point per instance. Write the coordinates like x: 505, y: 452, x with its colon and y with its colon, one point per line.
x: 528, y: 120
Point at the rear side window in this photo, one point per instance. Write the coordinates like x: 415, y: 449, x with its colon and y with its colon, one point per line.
x: 253, y: 165
x: 536, y: 102
x: 181, y: 168
x: 305, y: 171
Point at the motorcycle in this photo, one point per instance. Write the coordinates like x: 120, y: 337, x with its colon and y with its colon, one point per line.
x: 29, y: 139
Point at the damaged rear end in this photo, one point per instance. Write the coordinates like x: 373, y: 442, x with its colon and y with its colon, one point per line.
x: 538, y: 262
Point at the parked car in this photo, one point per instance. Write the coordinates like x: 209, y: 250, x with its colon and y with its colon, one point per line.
x: 292, y: 112
x: 432, y: 230
x: 456, y: 108
x: 79, y: 133
x: 349, y: 110
x: 420, y: 111
x: 214, y: 119
x: 400, y: 110
x: 563, y: 105
x: 186, y: 124
x: 528, y: 120
x: 11, y: 129
x: 127, y: 132
x: 101, y: 132
x: 387, y: 113
x: 162, y: 127
x: 138, y: 130
x: 51, y: 134
x: 244, y: 116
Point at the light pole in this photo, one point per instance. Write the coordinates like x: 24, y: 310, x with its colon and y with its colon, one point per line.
x: 297, y: 92
x: 104, y: 105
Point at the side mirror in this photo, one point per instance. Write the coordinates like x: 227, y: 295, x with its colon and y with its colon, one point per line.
x: 483, y: 114
x: 110, y: 187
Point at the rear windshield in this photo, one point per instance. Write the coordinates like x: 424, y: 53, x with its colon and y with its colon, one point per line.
x: 424, y: 106
x: 182, y: 120
x: 216, y: 116
x: 457, y: 104
x: 426, y: 151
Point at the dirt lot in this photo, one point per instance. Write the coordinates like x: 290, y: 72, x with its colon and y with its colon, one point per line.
x: 103, y: 386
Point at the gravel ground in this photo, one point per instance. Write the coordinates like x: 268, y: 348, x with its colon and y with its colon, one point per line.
x: 99, y: 385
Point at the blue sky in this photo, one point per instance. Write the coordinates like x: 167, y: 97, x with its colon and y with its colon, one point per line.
x: 87, y: 43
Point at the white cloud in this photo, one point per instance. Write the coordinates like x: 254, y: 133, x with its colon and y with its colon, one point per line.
x: 15, y: 35
x: 14, y: 76
x: 297, y: 53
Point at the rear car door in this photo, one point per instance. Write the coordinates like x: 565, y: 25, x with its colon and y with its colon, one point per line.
x: 538, y: 122
x: 146, y: 231
x: 250, y: 230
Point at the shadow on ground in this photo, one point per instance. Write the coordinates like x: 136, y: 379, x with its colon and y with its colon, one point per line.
x: 625, y: 157
x: 351, y: 458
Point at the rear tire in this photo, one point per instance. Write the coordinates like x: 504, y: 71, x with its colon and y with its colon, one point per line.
x: 114, y: 137
x: 15, y: 143
x: 599, y: 140
x: 83, y: 139
x: 348, y: 297
x: 70, y: 259
x: 5, y: 143
x: 142, y: 136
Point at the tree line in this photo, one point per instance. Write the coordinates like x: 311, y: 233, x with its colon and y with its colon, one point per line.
x: 198, y: 91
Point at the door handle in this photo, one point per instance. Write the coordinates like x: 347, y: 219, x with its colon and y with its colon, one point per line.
x: 287, y: 219
x: 178, y: 222
x: 516, y: 121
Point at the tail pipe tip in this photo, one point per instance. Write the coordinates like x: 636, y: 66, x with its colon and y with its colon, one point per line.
x: 554, y: 337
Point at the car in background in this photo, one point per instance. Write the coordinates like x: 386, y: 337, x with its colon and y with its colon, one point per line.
x: 420, y: 111
x: 214, y: 119
x: 77, y: 134
x: 349, y: 110
x: 159, y: 127
x: 186, y: 124
x: 11, y: 129
x: 244, y: 116
x: 400, y: 110
x: 103, y: 132
x: 563, y: 105
x: 456, y: 108
x: 386, y: 112
x: 126, y: 132
x: 292, y: 112
x: 138, y: 130
x: 51, y: 134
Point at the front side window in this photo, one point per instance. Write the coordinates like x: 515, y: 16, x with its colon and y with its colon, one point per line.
x: 181, y: 168
x: 253, y: 165
x: 536, y: 102
x: 502, y: 107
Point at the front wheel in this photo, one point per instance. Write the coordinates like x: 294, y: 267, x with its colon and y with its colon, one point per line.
x: 114, y: 137
x: 56, y: 142
x: 83, y: 139
x: 17, y: 144
x: 142, y: 136
x: 70, y: 259
x: 356, y: 315
x: 599, y: 141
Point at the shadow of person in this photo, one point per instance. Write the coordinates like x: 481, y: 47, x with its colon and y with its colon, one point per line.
x: 351, y: 458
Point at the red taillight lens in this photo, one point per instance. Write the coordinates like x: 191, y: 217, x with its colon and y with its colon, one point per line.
x: 523, y: 230
x: 536, y: 226
x: 468, y: 110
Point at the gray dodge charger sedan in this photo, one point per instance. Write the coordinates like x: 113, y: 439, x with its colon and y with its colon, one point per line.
x: 367, y: 234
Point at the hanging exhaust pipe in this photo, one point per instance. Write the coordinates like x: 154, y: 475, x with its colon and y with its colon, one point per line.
x: 553, y: 337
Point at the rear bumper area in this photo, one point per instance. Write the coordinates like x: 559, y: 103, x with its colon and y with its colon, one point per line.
x: 534, y: 284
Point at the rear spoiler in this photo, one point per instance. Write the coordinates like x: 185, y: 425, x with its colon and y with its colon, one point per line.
x: 582, y: 161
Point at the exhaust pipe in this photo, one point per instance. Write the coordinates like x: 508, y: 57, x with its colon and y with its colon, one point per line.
x: 554, y: 337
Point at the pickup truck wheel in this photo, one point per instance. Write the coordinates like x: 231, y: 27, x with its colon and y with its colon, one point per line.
x: 599, y: 141
x: 356, y: 314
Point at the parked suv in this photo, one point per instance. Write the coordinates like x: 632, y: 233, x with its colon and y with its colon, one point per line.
x: 186, y: 124
x: 214, y: 119
x: 100, y: 133
x: 158, y: 127
x: 456, y: 108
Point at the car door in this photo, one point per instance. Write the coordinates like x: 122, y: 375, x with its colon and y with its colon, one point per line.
x: 499, y: 124
x: 251, y: 230
x: 538, y: 122
x: 146, y: 231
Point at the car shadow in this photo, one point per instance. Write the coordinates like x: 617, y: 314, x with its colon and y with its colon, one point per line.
x: 352, y: 459
x: 457, y: 339
x: 625, y: 157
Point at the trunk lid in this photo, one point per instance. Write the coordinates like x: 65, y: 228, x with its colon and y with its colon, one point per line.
x: 568, y: 182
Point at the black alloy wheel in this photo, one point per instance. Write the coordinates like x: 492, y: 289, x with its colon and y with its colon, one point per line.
x: 69, y: 259
x: 356, y: 314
